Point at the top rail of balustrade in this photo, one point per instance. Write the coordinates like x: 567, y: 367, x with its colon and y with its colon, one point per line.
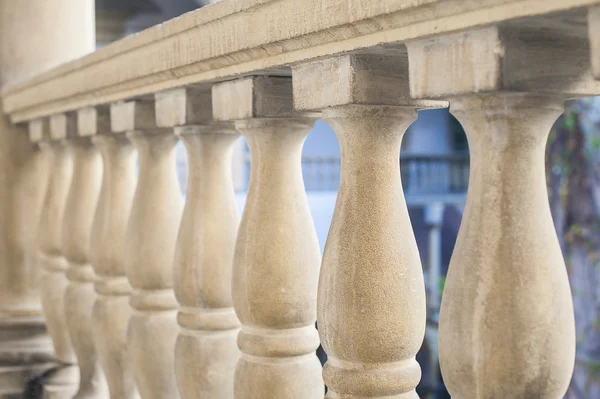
x: 241, y: 37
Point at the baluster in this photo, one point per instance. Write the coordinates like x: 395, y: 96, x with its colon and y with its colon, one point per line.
x: 33, y: 38
x: 506, y: 321
x: 149, y: 248
x: 371, y: 304
x: 276, y: 258
x: 51, y: 257
x: 77, y: 226
x: 111, y: 310
x: 206, y: 351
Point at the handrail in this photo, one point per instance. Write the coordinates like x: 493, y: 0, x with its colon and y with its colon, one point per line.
x: 240, y: 37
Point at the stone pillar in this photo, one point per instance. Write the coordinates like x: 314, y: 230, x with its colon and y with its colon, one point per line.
x: 51, y: 257
x: 111, y: 311
x: 506, y: 321
x: 76, y: 235
x: 371, y: 307
x: 33, y: 37
x: 206, y: 350
x: 276, y: 260
x: 149, y: 249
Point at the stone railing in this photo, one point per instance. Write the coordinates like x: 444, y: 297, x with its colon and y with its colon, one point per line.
x: 158, y: 299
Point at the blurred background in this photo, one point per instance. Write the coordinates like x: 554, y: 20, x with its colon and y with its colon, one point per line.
x: 435, y: 170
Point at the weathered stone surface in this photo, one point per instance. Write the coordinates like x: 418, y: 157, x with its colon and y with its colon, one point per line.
x: 76, y: 237
x: 52, y: 260
x: 206, y: 351
x: 547, y: 57
x: 132, y: 115
x: 255, y: 97
x: 357, y: 79
x: 92, y: 121
x: 371, y: 307
x: 111, y: 311
x: 236, y: 38
x: 184, y: 106
x: 507, y: 299
x: 371, y: 291
x: 149, y: 249
x: 275, y: 269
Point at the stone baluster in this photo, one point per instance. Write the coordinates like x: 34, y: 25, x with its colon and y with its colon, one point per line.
x: 276, y: 262
x: 371, y: 306
x: 149, y: 248
x: 506, y: 320
x: 34, y: 36
x: 111, y: 311
x: 206, y: 351
x: 76, y: 234
x: 53, y: 280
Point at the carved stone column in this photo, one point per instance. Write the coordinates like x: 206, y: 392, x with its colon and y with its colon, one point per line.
x: 206, y: 350
x: 51, y: 256
x: 506, y: 320
x: 77, y: 227
x: 371, y: 307
x: 34, y: 36
x: 149, y: 249
x: 111, y: 311
x: 277, y: 256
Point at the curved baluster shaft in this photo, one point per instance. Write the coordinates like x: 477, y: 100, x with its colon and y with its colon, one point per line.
x: 149, y: 249
x: 206, y: 351
x: 506, y: 321
x: 111, y: 310
x: 371, y: 306
x: 80, y: 295
x: 275, y: 270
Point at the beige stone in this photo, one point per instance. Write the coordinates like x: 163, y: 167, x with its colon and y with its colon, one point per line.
x: 184, y: 106
x: 42, y: 35
x: 516, y: 56
x: 111, y: 311
x: 236, y: 38
x: 276, y: 261
x: 33, y: 38
x: 371, y: 304
x: 206, y: 351
x: 255, y: 97
x: 357, y: 78
x: 132, y: 115
x: 371, y: 292
x: 25, y: 347
x: 505, y: 64
x: 507, y: 299
x: 149, y: 249
x: 506, y: 322
x: 76, y: 238
x: 53, y: 282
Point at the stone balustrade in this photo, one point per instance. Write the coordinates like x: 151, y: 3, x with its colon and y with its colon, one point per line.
x: 149, y: 298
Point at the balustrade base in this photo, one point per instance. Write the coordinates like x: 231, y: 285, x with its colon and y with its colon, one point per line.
x: 63, y: 383
x: 25, y: 351
x: 60, y: 391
